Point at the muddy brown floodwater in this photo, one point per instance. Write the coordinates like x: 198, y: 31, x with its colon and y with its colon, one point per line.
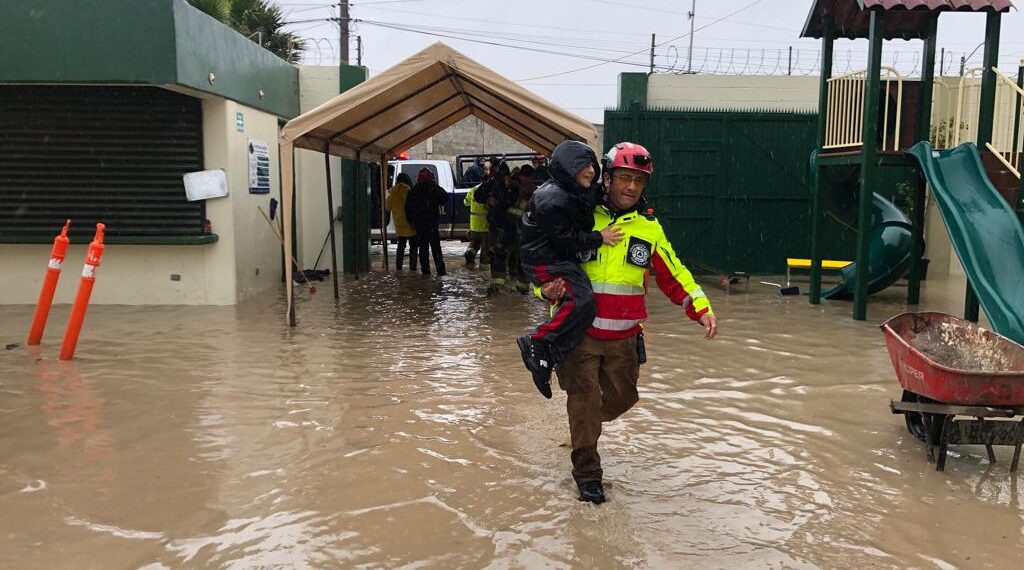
x: 399, y: 429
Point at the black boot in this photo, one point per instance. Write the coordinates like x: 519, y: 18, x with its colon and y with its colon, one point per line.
x: 592, y: 492
x: 537, y: 361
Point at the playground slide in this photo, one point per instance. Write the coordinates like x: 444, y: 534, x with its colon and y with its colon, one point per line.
x: 986, y: 234
x: 889, y: 246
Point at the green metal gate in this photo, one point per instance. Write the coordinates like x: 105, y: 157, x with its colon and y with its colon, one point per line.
x: 731, y: 188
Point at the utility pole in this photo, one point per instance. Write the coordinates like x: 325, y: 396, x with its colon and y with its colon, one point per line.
x: 359, y: 51
x: 343, y: 21
x: 652, y: 54
x: 689, y: 53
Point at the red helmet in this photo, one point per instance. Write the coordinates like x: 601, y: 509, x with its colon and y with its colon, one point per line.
x: 629, y: 155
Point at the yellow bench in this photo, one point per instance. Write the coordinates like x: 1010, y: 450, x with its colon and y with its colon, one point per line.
x: 799, y: 263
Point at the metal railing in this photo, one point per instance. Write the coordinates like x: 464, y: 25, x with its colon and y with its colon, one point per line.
x: 844, y: 119
x: 954, y: 133
x: 1008, y: 123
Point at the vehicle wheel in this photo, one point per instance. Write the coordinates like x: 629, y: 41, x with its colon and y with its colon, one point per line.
x: 914, y: 420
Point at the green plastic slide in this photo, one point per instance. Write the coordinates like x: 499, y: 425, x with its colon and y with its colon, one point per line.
x: 985, y: 231
x: 891, y: 240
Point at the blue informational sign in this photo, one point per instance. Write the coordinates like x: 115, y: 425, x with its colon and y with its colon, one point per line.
x: 240, y: 122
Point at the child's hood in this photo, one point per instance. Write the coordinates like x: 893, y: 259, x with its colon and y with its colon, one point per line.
x: 568, y: 159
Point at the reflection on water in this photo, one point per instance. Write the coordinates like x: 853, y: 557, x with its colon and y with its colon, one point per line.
x: 397, y: 427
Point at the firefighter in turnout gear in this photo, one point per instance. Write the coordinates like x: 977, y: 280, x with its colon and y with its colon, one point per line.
x: 600, y: 374
x: 558, y: 233
x: 478, y: 244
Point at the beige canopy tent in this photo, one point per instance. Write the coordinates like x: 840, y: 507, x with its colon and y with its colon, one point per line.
x: 407, y: 104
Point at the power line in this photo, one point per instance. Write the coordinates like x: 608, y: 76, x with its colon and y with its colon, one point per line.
x: 512, y: 37
x: 508, y: 24
x: 388, y: 2
x: 498, y: 44
x: 751, y: 5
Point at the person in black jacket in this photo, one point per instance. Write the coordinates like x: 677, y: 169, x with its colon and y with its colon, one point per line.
x: 558, y: 234
x: 499, y: 195
x: 423, y: 210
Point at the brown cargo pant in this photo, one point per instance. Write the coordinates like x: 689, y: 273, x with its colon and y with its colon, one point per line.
x: 599, y: 377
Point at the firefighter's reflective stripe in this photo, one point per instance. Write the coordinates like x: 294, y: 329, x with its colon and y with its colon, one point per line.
x: 619, y: 275
x: 615, y: 324
x: 617, y: 288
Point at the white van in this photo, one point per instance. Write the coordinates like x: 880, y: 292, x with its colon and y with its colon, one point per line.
x: 455, y: 217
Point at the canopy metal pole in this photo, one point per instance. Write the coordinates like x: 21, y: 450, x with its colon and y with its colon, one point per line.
x: 383, y: 206
x: 288, y: 181
x: 355, y: 216
x: 330, y: 220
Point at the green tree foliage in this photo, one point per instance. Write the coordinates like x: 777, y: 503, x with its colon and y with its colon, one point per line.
x: 260, y: 21
x: 215, y: 8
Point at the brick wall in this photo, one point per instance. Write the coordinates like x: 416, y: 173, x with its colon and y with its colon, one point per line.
x: 469, y: 136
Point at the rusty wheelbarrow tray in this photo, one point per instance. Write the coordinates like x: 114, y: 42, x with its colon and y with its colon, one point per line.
x: 950, y: 368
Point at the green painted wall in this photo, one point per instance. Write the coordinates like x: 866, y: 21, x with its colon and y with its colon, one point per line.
x: 632, y: 89
x: 732, y: 189
x: 156, y: 42
x: 242, y: 68
x: 351, y: 75
x: 355, y: 197
x: 87, y: 41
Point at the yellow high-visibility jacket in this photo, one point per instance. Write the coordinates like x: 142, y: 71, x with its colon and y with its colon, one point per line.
x: 395, y: 203
x: 477, y: 212
x: 619, y: 275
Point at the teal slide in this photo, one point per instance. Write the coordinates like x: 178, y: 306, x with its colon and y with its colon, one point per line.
x: 986, y: 234
x: 891, y: 240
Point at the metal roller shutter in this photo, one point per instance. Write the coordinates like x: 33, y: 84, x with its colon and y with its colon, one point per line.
x: 98, y: 154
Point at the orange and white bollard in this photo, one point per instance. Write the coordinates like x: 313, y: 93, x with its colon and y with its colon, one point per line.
x: 92, y: 261
x: 57, y: 254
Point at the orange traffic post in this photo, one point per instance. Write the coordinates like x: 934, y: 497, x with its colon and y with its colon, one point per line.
x: 92, y: 261
x: 60, y: 250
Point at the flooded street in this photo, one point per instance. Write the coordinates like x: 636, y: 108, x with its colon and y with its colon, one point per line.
x: 399, y: 428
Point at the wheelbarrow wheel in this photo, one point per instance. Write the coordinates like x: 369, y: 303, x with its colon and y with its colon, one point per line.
x: 914, y: 420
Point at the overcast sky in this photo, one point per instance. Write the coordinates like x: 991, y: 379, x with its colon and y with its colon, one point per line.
x: 556, y: 37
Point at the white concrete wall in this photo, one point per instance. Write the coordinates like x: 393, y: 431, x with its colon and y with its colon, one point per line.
x: 257, y: 250
x: 728, y: 92
x: 317, y: 84
x: 221, y: 273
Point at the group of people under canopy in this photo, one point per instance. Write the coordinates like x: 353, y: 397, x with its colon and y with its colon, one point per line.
x: 496, y: 204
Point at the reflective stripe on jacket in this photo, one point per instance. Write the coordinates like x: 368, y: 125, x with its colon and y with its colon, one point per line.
x: 477, y: 212
x: 619, y: 275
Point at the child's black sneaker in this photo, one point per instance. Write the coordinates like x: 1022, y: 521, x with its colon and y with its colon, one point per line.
x: 537, y: 361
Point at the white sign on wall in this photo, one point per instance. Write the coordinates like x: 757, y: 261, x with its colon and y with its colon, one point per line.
x: 259, y: 167
x: 205, y: 184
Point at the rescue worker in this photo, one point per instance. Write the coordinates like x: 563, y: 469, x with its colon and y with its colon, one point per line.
x: 423, y: 209
x: 600, y: 374
x: 522, y: 181
x: 475, y: 173
x: 540, y: 169
x: 558, y: 234
x: 498, y: 194
x: 478, y: 243
x: 395, y: 203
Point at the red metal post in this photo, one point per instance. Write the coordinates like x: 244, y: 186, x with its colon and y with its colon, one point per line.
x: 92, y: 261
x: 57, y: 254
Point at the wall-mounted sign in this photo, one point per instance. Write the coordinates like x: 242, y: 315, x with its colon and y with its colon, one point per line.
x: 205, y: 184
x: 259, y: 167
x: 240, y: 122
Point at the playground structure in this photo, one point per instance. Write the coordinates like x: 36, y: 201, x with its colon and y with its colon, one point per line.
x: 948, y: 367
x: 869, y: 119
